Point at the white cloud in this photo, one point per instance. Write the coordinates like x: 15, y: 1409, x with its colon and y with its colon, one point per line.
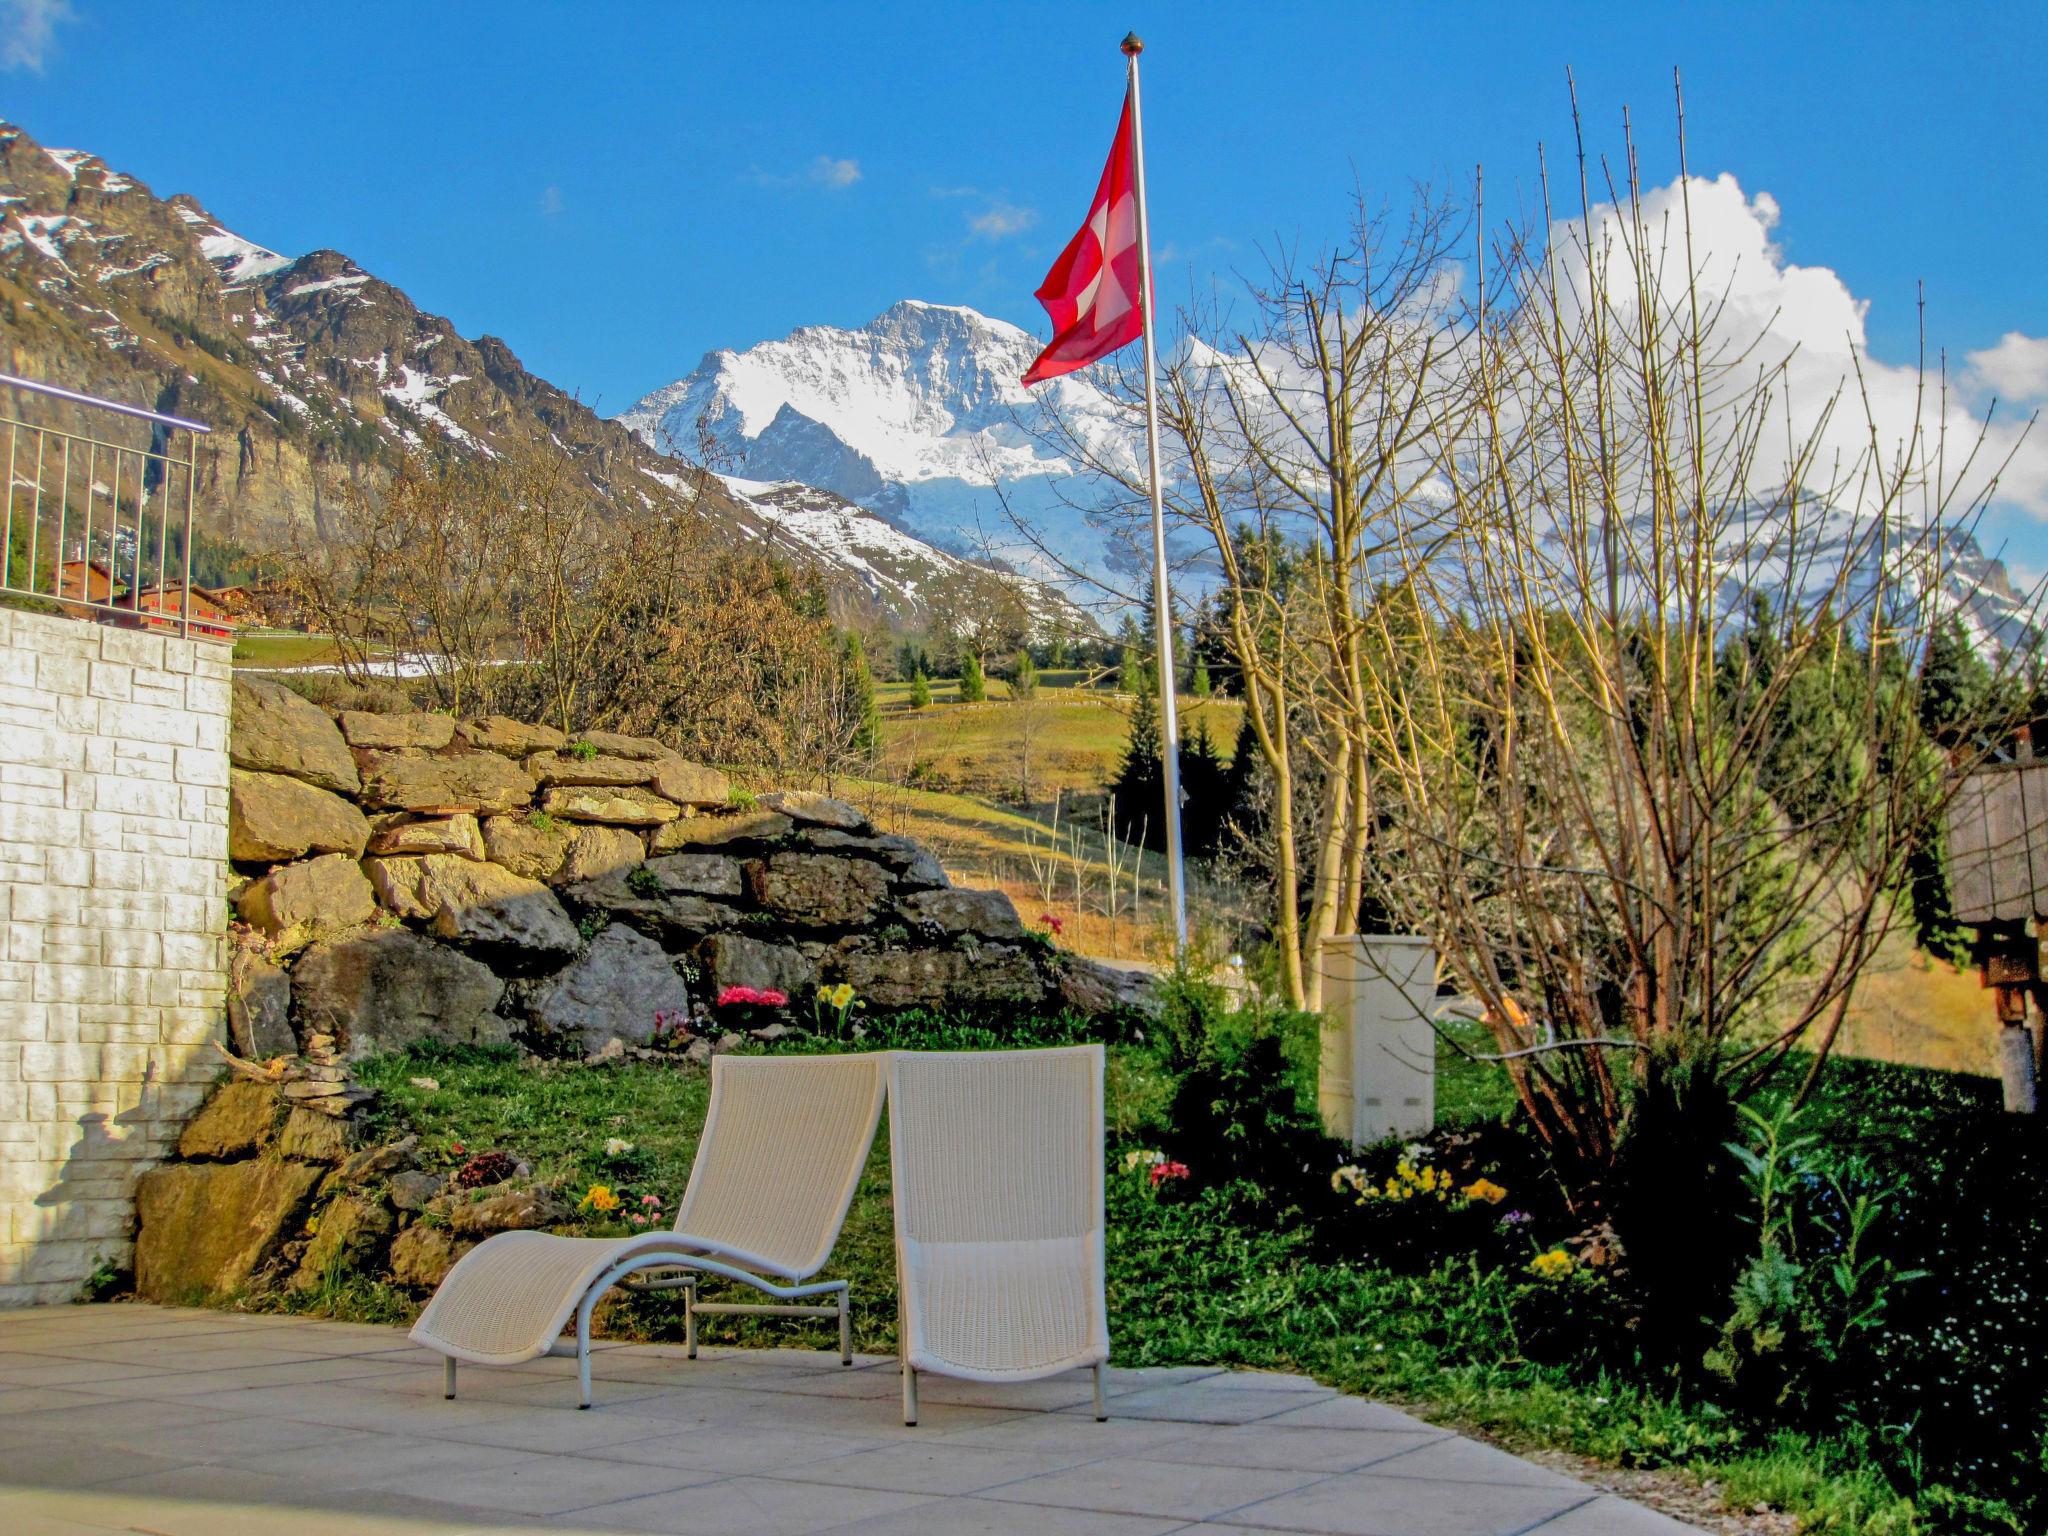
x: 828, y: 171
x: 1772, y: 311
x: 2015, y: 369
x: 551, y: 202
x: 28, y: 31
x: 1001, y: 219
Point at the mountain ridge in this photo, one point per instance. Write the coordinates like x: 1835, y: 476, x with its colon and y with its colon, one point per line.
x: 314, y: 371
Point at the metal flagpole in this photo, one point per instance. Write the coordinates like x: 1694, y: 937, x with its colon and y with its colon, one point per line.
x: 1169, y: 710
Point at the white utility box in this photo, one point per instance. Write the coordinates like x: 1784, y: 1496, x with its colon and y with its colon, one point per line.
x: 1379, y: 1049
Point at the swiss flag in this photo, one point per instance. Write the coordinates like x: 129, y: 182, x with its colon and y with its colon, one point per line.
x: 1092, y: 290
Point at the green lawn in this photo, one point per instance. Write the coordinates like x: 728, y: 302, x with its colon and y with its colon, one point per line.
x: 282, y: 648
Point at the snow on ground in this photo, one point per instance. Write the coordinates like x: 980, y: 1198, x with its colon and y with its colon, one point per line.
x: 239, y: 261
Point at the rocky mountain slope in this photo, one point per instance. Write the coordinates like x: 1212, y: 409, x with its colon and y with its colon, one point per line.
x: 313, y: 371
x: 918, y: 416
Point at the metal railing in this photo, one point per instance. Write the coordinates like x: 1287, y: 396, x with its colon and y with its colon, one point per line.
x: 95, y: 527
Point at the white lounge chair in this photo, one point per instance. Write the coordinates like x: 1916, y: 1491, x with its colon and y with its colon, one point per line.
x: 785, y: 1140
x: 996, y: 1164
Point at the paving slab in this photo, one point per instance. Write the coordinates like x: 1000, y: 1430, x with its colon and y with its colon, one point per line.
x: 192, y: 1423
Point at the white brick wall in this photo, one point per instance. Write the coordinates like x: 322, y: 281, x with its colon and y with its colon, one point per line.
x: 113, y: 908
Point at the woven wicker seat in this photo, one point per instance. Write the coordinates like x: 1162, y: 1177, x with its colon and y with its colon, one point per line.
x: 996, y: 1165
x: 784, y: 1144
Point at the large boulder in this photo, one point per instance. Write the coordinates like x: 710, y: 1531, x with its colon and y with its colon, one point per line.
x: 818, y: 890
x: 484, y: 906
x: 259, y: 1006
x: 389, y: 989
x: 352, y: 1230
x: 931, y: 978
x: 740, y: 826
x: 274, y: 730
x: 313, y: 1136
x: 689, y: 783
x: 477, y: 782
x: 1097, y: 987
x: 514, y: 738
x: 599, y: 851
x: 420, y: 732
x: 552, y: 768
x: 613, y: 744
x: 612, y: 992
x: 818, y: 810
x: 534, y: 846
x: 739, y: 960
x: 204, y: 1228
x: 915, y: 866
x: 501, y: 1210
x: 984, y: 914
x: 434, y: 834
x: 297, y: 903
x: 237, y: 1122
x: 421, y: 1256
x: 626, y: 805
x: 272, y: 818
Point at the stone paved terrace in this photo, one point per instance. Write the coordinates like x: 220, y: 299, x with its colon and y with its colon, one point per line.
x: 192, y: 1423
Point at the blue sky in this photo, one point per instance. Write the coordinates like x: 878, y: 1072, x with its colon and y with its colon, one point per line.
x: 614, y: 190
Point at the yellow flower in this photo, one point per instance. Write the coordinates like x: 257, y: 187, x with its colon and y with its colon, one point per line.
x: 600, y: 1198
x: 1347, y: 1177
x: 1486, y: 1190
x: 841, y: 996
x: 1554, y: 1265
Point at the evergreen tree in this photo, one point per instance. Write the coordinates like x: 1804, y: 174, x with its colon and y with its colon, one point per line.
x: 866, y: 741
x: 920, y: 690
x: 1130, y: 678
x: 973, y: 684
x: 1139, y: 785
x: 1205, y: 791
x: 1200, y: 685
x: 1024, y: 681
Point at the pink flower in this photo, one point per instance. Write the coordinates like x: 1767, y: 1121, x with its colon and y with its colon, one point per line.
x: 639, y: 1220
x: 650, y: 1199
x: 1161, y: 1172
x: 1052, y: 924
x: 750, y: 996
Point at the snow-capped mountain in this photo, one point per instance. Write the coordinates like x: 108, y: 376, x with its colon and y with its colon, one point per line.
x: 918, y: 416
x: 310, y: 369
x: 902, y: 577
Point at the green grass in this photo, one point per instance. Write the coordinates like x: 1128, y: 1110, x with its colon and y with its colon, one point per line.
x: 282, y: 649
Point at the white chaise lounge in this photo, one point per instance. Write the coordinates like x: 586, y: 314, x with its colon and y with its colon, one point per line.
x: 784, y: 1144
x: 996, y: 1164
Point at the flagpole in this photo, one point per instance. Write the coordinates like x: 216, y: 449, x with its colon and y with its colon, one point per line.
x: 1169, y: 703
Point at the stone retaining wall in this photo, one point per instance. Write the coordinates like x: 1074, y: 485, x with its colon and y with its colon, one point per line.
x: 113, y: 835
x: 414, y: 877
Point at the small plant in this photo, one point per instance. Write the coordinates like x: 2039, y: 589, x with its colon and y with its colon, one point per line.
x: 541, y: 821
x: 485, y: 1168
x: 642, y: 881
x: 591, y: 924
x: 583, y: 751
x: 741, y: 799
x: 751, y: 1007
x: 832, y: 1009
x: 672, y: 1031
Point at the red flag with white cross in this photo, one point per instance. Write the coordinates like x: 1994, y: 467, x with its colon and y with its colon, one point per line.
x: 1092, y: 290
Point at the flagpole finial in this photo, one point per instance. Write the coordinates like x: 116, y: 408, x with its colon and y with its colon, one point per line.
x: 1132, y: 45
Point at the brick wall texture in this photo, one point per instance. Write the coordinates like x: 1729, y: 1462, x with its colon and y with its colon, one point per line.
x: 113, y: 906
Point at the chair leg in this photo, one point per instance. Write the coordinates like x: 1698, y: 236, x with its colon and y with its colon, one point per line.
x: 583, y: 1346
x: 448, y: 1379
x: 909, y: 1394
x: 845, y: 1331
x: 1101, y: 1407
x: 690, y: 1318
